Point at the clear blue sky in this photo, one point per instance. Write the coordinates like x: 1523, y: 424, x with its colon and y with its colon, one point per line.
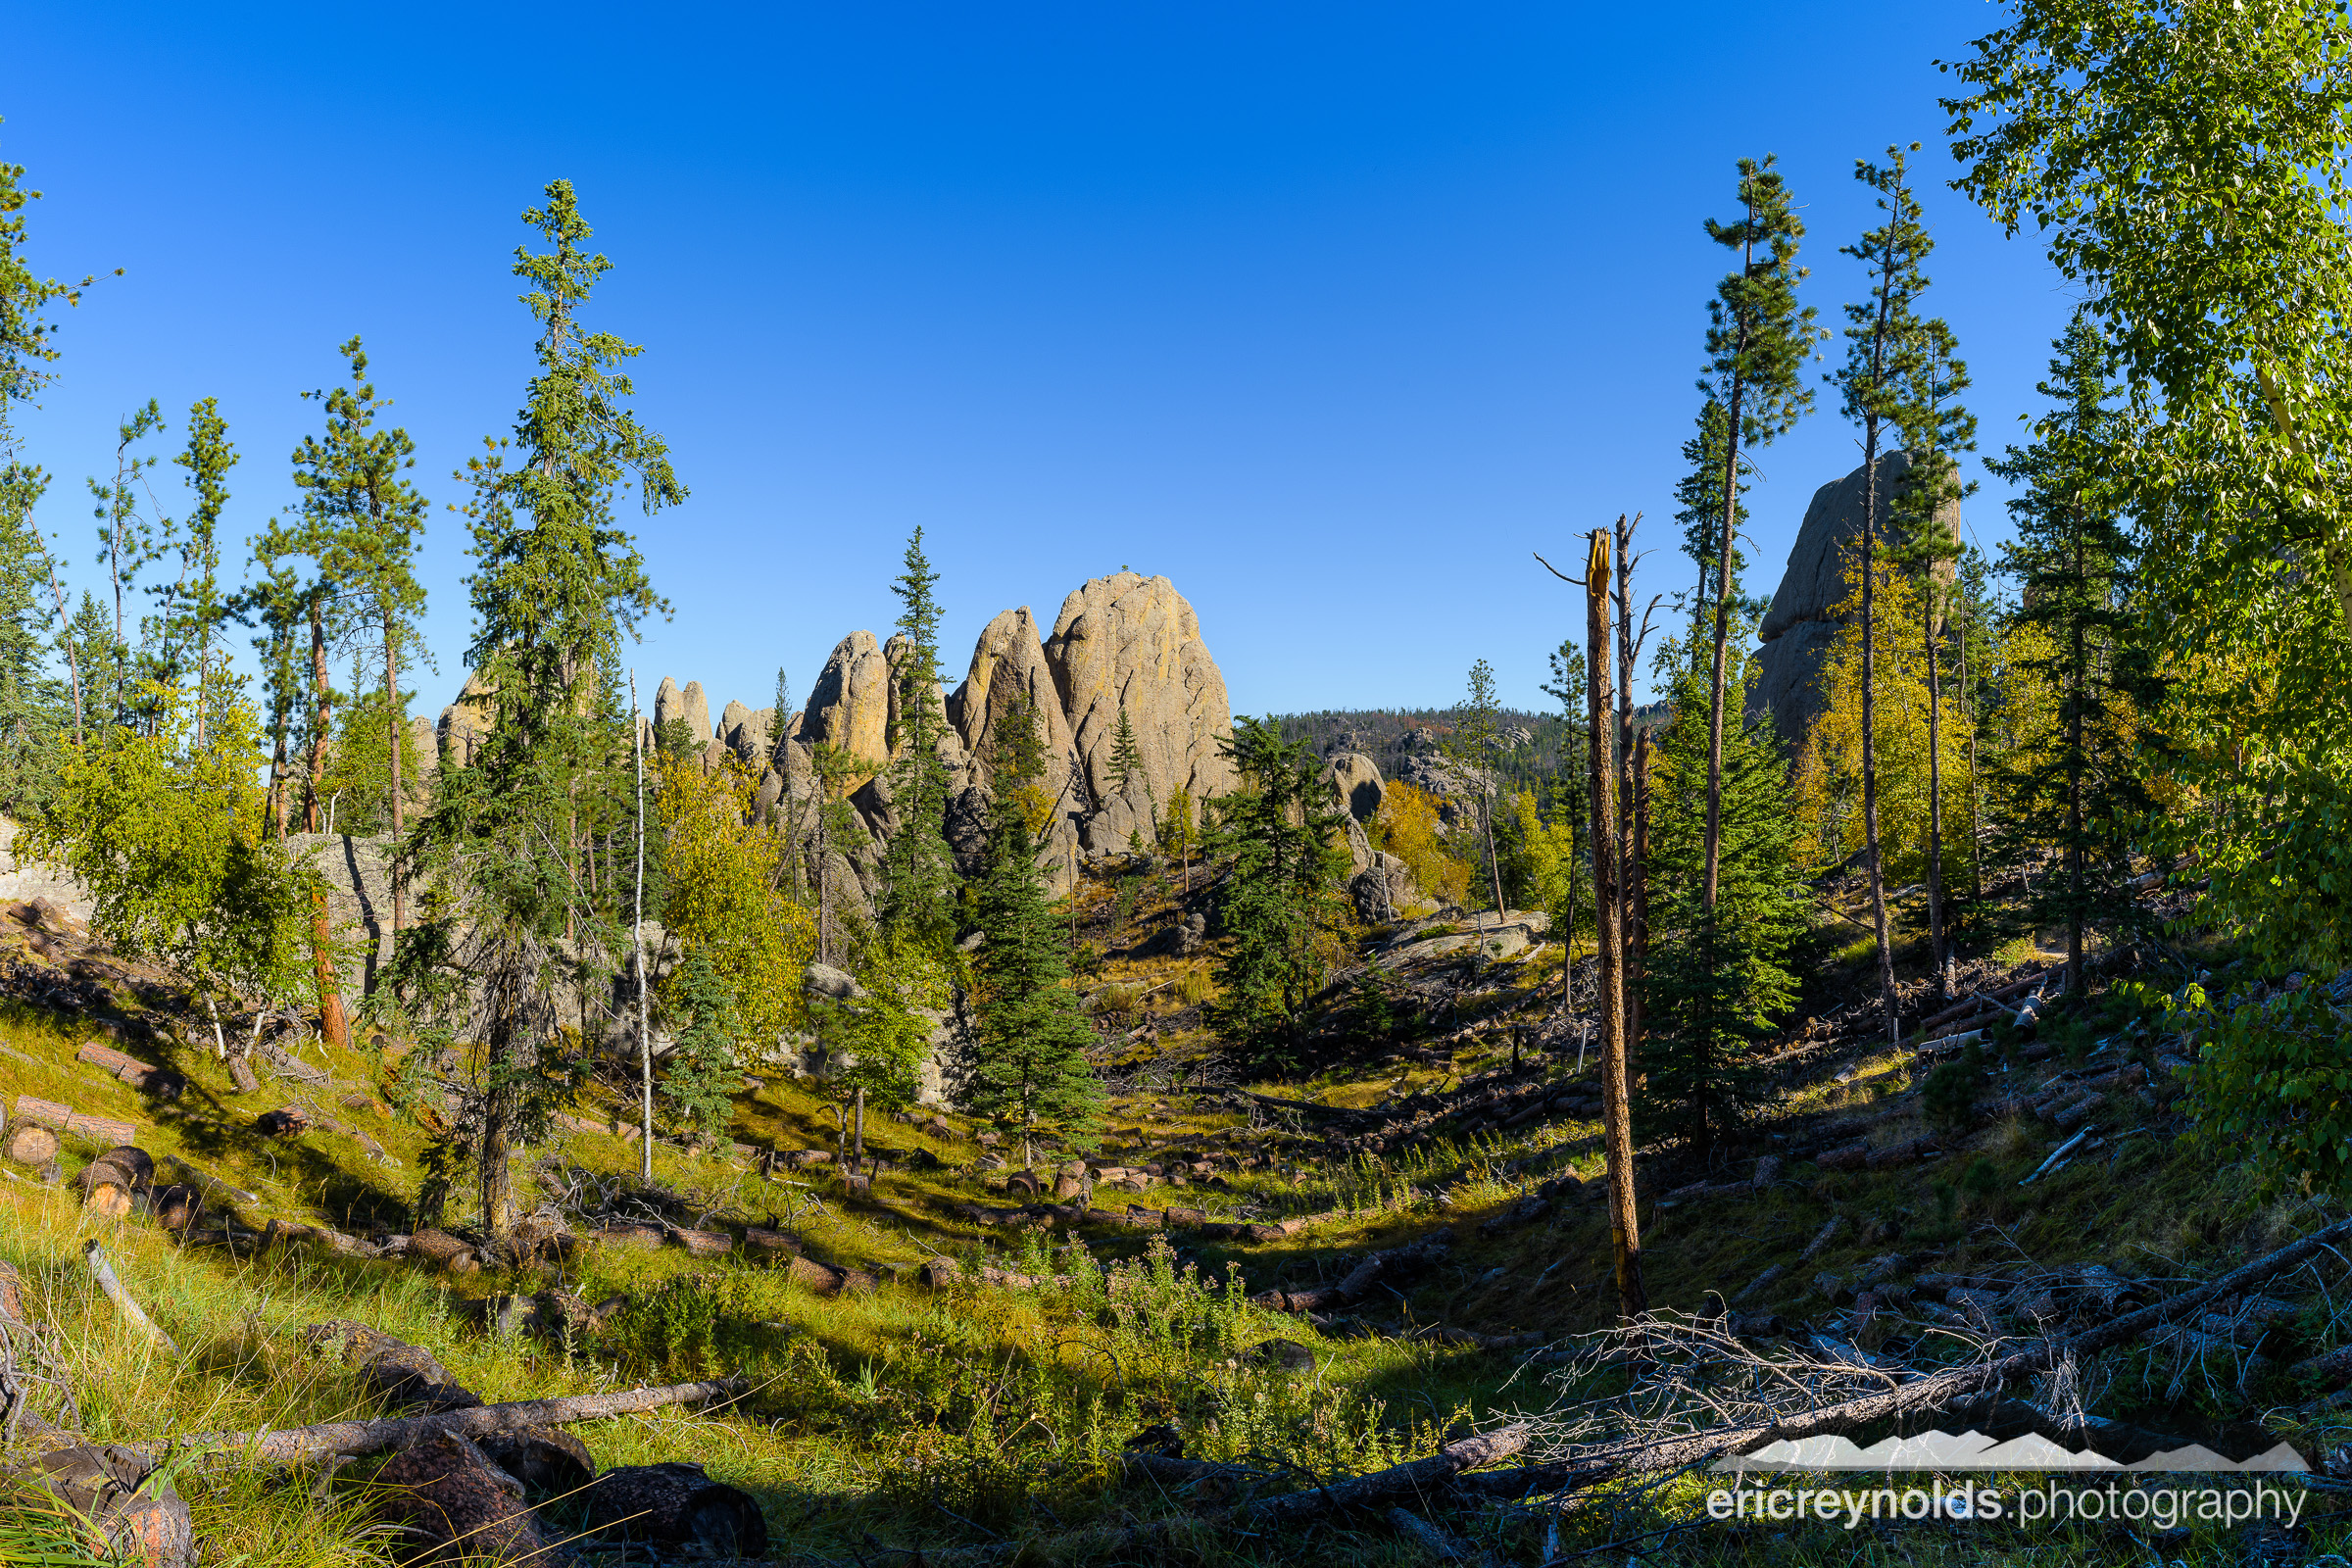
x: 1332, y: 313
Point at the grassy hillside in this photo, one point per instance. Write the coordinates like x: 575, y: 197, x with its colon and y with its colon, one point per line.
x: 906, y: 1418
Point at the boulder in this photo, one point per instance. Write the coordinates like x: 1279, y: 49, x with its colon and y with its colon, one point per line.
x: 1798, y: 630
x: 1382, y: 890
x: 1356, y: 784
x: 1133, y: 644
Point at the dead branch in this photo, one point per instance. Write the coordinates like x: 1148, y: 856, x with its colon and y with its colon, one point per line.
x: 93, y: 1256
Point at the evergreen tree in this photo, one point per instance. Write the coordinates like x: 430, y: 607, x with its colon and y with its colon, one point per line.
x: 363, y: 518
x: 1886, y: 343
x: 35, y: 715
x: 1712, y: 990
x: 195, y: 607
x: 700, y: 1079
x: 1757, y: 341
x: 129, y: 542
x: 1935, y: 429
x: 917, y: 906
x: 1026, y: 1063
x: 1476, y: 743
x: 513, y: 934
x: 1127, y: 764
x: 1700, y: 504
x: 1277, y: 902
x: 2073, y: 560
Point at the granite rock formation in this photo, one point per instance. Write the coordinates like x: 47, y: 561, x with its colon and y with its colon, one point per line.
x: 1132, y: 642
x: 1803, y: 622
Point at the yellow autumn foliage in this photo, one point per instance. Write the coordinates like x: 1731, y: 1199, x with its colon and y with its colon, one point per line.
x: 1408, y: 828
x: 1829, y: 765
x: 725, y: 896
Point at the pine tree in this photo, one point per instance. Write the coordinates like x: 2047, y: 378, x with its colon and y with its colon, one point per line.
x: 1127, y: 762
x: 129, y: 542
x: 512, y: 934
x: 363, y: 520
x: 1026, y: 1062
x: 917, y: 906
x: 1700, y: 504
x: 2073, y: 560
x: 1709, y: 996
x: 1757, y: 341
x: 1935, y: 429
x: 195, y: 607
x: 35, y: 716
x: 1277, y: 900
x: 1884, y: 344
x: 1476, y: 744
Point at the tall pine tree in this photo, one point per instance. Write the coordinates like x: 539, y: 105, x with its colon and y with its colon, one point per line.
x: 917, y: 906
x: 513, y: 934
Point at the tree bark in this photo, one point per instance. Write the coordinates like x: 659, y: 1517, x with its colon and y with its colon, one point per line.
x: 331, y: 1023
x: 1625, y: 1233
x: 1938, y: 950
x: 396, y: 737
x: 645, y: 1034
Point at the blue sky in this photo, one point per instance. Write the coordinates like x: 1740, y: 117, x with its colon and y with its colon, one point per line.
x: 1332, y: 313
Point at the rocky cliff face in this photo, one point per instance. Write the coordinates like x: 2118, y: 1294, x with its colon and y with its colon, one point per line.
x: 1124, y: 641
x: 1803, y: 621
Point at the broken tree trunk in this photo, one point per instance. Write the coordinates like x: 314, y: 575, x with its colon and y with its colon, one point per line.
x: 74, y: 1123
x: 295, y: 1445
x: 1625, y: 1231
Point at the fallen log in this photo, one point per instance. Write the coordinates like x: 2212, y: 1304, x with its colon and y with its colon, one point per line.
x: 161, y: 1082
x: 66, y: 1119
x: 351, y: 1439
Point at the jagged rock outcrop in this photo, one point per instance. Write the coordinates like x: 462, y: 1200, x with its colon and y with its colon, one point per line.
x: 465, y: 723
x: 1130, y: 642
x: 1121, y: 641
x: 850, y: 706
x: 1008, y: 670
x: 690, y: 705
x: 1802, y: 623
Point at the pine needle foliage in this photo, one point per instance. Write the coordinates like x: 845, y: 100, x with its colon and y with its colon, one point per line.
x: 918, y: 904
x: 1278, y: 902
x: 1026, y: 1059
x: 516, y: 947
x: 1712, y: 989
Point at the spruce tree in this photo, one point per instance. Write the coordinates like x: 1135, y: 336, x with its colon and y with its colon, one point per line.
x: 917, y: 906
x: 1712, y: 991
x: 1127, y: 764
x: 1757, y: 341
x: 1276, y: 900
x: 129, y: 541
x: 2074, y: 560
x: 513, y: 949
x: 1026, y: 1063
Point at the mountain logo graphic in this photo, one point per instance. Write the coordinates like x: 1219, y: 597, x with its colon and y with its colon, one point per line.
x: 1974, y: 1450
